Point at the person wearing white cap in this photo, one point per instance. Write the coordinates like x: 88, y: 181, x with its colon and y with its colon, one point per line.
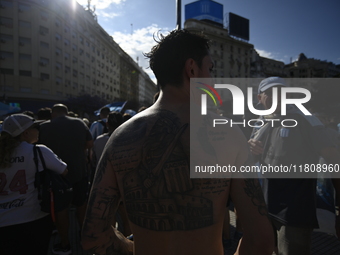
x: 291, y: 201
x: 24, y: 228
x: 265, y: 92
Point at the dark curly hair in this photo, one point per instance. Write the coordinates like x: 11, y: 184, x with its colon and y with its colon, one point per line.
x: 168, y: 57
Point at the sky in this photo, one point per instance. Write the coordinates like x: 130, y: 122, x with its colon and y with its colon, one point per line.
x: 279, y: 30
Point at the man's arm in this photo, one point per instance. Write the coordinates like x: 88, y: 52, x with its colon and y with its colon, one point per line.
x: 247, y: 196
x: 98, y: 234
x: 336, y: 184
x: 258, y: 234
x: 332, y: 156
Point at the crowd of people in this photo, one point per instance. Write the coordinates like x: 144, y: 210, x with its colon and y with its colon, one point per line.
x: 70, y: 146
x: 135, y: 171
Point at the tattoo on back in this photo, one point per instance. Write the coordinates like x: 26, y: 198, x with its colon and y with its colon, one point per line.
x: 159, y: 194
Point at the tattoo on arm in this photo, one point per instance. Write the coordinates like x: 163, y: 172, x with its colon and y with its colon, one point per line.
x: 99, y: 217
x: 101, y: 168
x: 102, y: 206
x: 254, y: 191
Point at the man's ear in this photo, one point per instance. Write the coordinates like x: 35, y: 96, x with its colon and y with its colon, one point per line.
x: 191, y: 68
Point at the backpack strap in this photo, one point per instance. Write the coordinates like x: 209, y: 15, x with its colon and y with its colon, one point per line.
x: 38, y: 178
x: 41, y: 158
x: 35, y: 159
x: 36, y: 162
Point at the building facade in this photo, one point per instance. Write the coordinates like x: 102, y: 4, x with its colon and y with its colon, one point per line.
x: 305, y: 67
x: 266, y: 67
x: 53, y: 50
x: 231, y: 57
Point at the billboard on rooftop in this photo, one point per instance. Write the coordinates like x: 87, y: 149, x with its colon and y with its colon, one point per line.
x: 238, y: 26
x: 205, y: 10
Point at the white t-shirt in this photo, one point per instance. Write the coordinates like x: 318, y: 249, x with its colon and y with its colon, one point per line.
x: 18, y: 197
x: 98, y: 147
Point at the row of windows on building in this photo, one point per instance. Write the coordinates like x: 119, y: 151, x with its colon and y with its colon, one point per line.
x: 44, y: 62
x: 61, y: 93
x: 217, y: 46
x: 8, y: 22
x: 26, y: 9
x: 44, y: 31
x: 58, y: 51
x: 46, y: 76
x: 59, y: 80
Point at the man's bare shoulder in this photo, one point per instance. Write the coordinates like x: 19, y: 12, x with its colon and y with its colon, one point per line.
x: 144, y: 125
x: 145, y: 136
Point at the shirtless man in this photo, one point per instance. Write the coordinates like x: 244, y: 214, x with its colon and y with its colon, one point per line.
x: 167, y: 210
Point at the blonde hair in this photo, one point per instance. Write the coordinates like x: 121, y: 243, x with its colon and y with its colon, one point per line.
x: 8, y: 144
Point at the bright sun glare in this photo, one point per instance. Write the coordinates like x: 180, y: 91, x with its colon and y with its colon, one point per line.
x: 74, y: 4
